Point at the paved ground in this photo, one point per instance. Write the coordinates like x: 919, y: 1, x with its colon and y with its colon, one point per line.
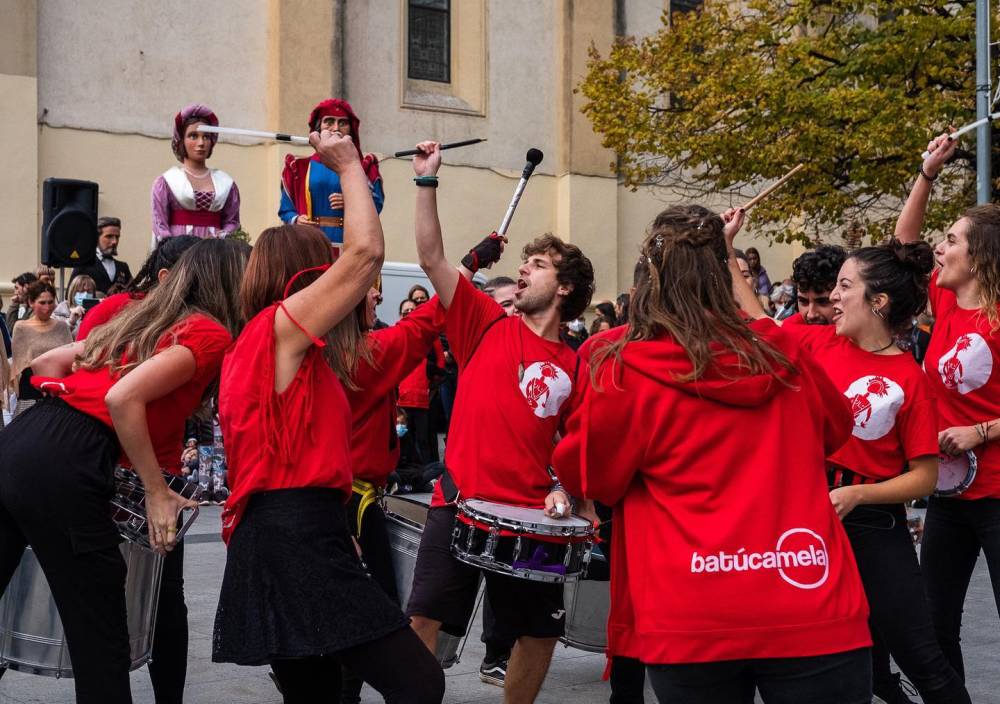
x: 575, y: 676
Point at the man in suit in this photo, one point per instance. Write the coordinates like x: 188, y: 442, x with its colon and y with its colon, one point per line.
x: 106, y: 271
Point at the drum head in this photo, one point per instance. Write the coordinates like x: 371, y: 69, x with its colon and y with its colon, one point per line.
x: 533, y: 519
x: 955, y: 473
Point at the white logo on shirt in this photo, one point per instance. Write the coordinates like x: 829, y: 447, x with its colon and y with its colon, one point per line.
x: 546, y: 387
x: 875, y: 401
x: 799, y: 557
x: 967, y: 365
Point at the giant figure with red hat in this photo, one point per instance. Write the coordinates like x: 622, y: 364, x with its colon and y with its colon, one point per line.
x: 310, y: 192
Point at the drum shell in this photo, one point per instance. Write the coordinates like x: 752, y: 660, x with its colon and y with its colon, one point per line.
x: 588, y: 603
x: 31, y: 633
x: 405, y: 529
x: 506, y: 554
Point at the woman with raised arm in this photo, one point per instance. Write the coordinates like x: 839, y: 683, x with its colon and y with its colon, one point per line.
x: 962, y: 364
x: 121, y: 396
x: 891, y: 456
x: 295, y: 594
x: 731, y: 570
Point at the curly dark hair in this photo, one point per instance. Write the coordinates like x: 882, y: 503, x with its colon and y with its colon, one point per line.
x: 817, y: 269
x: 573, y: 269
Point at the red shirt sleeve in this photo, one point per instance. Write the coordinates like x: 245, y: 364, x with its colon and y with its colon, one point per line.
x: 396, y: 351
x: 207, y: 340
x: 102, y: 313
x: 838, y: 420
x: 917, y: 425
x: 591, y: 460
x: 471, y: 313
x: 809, y: 337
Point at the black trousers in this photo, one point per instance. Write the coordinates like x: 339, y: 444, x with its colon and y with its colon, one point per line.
x: 955, y: 531
x: 840, y: 678
x: 900, y: 612
x: 56, y: 479
x: 399, y: 666
x: 377, y: 554
x: 168, y: 668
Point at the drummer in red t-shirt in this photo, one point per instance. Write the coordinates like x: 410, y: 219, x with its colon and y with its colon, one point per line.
x: 515, y: 378
x: 891, y: 456
x: 961, y: 364
x: 136, y: 380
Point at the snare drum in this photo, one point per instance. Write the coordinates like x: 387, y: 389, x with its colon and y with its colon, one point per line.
x: 32, y: 639
x: 955, y: 473
x: 521, y: 542
x: 128, y: 505
x: 405, y: 516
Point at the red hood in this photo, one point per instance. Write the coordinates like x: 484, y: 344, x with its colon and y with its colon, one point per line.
x: 663, y: 360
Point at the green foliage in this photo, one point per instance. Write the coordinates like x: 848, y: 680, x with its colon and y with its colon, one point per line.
x: 239, y: 234
x: 738, y: 93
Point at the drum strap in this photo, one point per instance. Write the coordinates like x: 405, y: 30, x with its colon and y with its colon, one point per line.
x: 837, y: 476
x: 369, y: 494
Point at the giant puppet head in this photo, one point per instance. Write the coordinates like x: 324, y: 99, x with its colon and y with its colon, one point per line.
x: 334, y: 107
x: 189, y: 115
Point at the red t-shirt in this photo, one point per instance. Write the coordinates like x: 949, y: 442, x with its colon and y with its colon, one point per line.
x: 414, y: 389
x: 961, y: 363
x: 208, y: 341
x: 105, y: 311
x: 513, y: 388
x: 895, y: 416
x: 395, y: 351
x: 296, y: 439
x: 725, y: 543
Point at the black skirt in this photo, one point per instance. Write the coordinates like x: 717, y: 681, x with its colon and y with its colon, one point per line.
x: 294, y: 586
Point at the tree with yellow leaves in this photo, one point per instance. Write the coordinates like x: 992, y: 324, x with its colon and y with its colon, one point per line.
x: 737, y: 93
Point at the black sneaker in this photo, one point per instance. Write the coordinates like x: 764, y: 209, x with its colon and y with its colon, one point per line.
x: 493, y: 672
x: 896, y: 691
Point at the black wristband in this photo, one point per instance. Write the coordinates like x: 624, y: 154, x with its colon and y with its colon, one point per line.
x: 924, y: 174
x: 426, y: 181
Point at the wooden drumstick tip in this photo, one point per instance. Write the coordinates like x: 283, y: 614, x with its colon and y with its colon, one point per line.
x: 773, y: 187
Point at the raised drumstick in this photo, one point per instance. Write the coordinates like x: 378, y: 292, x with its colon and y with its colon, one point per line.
x: 772, y: 188
x: 452, y: 145
x: 965, y: 128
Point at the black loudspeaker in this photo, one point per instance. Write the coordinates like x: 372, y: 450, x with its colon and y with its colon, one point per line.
x: 69, y: 222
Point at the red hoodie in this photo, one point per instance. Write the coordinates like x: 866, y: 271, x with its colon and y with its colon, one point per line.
x: 726, y: 545
x: 396, y: 350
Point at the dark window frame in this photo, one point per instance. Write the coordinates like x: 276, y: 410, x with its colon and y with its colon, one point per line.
x: 419, y: 12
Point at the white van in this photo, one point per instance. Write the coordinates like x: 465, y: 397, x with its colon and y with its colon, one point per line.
x: 397, y: 279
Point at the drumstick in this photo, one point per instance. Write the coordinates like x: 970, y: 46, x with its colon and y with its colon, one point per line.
x: 276, y: 136
x: 772, y: 188
x: 965, y: 128
x: 451, y: 145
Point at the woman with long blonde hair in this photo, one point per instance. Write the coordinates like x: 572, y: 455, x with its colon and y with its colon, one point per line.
x: 731, y: 570
x: 961, y: 363
x: 120, y: 397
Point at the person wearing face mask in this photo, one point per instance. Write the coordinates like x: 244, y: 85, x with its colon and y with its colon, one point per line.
x: 192, y: 199
x: 891, y: 456
x: 961, y: 364
x: 71, y: 310
x: 310, y: 192
x: 33, y: 337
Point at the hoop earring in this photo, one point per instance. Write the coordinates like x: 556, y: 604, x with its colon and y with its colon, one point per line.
x: 877, y: 313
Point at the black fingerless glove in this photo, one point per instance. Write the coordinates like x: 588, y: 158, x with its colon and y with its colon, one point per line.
x: 485, y: 254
